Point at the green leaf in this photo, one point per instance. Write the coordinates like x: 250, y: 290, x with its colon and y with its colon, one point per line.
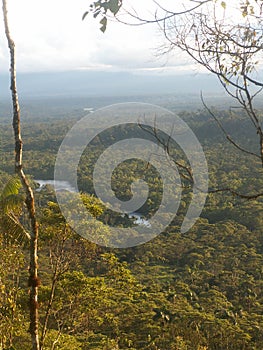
x: 223, y: 4
x: 114, y: 6
x: 13, y: 202
x: 84, y: 15
x: 103, y: 23
x: 11, y: 188
x: 14, y: 229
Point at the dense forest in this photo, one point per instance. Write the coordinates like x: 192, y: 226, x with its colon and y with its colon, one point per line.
x: 198, y: 290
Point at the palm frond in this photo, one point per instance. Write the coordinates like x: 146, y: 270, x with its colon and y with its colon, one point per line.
x: 12, y: 229
x: 12, y: 187
x: 14, y: 202
x: 11, y: 204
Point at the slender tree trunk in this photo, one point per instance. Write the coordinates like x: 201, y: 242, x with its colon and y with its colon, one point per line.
x: 33, y: 281
x: 48, y: 311
x: 261, y: 146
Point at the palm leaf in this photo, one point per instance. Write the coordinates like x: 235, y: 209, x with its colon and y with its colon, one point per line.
x: 12, y: 187
x: 10, y: 198
x: 13, y: 228
x: 11, y: 204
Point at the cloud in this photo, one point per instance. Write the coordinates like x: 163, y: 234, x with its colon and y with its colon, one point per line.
x: 50, y: 36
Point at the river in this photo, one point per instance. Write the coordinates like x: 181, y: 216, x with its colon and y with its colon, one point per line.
x: 60, y: 185
x: 66, y: 186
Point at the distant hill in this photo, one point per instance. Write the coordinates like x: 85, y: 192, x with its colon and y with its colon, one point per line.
x: 90, y: 83
x: 62, y: 94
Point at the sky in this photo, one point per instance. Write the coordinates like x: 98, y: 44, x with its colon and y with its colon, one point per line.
x: 51, y: 36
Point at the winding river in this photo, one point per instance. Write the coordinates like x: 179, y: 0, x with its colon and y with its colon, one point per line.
x: 66, y: 186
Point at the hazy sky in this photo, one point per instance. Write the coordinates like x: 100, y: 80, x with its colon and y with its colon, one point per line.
x: 50, y: 35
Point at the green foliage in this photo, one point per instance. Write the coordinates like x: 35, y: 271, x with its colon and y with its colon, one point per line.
x: 11, y: 204
x: 62, y: 342
x: 103, y: 8
x: 201, y: 290
x: 12, y: 316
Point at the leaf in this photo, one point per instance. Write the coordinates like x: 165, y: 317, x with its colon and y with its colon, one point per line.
x: 11, y: 188
x: 223, y: 4
x: 96, y: 13
x: 103, y: 23
x: 14, y: 229
x: 84, y: 15
x: 114, y: 6
x: 13, y: 202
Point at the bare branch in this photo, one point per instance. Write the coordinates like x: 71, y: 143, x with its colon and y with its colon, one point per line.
x: 237, y: 194
x: 168, y: 14
x: 225, y: 132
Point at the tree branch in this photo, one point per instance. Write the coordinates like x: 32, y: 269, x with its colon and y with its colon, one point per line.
x: 224, y: 131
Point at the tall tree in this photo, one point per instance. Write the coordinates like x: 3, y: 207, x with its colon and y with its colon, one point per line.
x: 33, y: 280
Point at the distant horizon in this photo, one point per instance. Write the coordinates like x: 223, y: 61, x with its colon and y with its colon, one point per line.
x: 62, y: 94
x: 97, y: 83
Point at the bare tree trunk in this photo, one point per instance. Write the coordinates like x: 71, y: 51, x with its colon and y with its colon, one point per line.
x: 50, y: 302
x: 261, y: 146
x: 33, y: 281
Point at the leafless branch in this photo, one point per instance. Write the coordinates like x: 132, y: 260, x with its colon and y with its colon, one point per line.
x: 228, y: 137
